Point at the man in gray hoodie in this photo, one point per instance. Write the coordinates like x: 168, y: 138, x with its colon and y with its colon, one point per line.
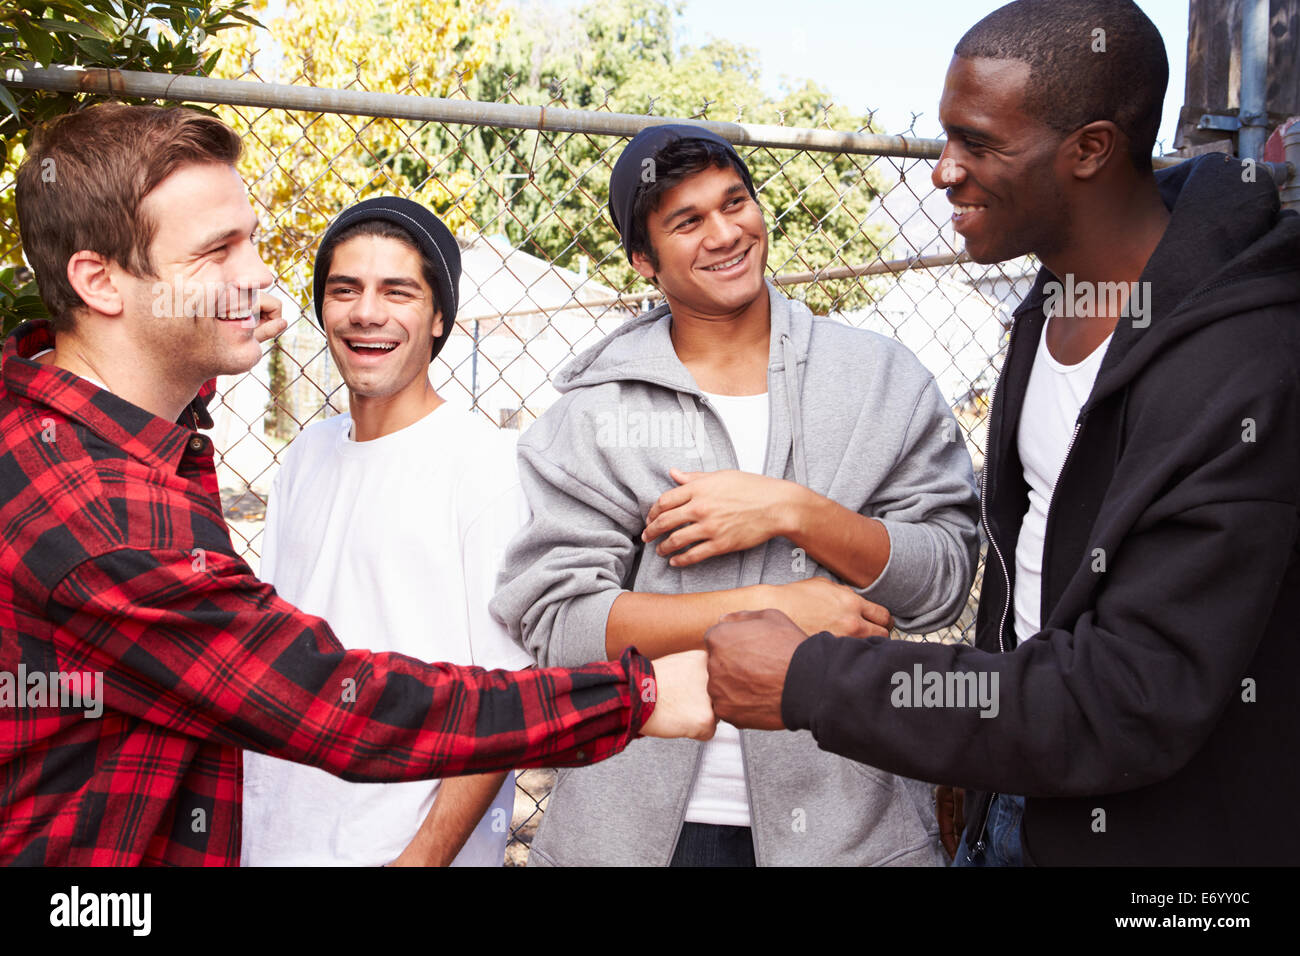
x: 726, y: 451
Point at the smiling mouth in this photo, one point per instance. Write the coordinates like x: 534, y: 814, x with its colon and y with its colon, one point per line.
x: 729, y: 264
x: 236, y: 305
x: 371, y: 348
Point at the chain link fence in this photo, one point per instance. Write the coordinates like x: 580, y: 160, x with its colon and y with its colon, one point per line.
x: 856, y: 230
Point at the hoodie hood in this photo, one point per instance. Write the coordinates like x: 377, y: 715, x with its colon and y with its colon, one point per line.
x: 1222, y: 232
x: 642, y: 350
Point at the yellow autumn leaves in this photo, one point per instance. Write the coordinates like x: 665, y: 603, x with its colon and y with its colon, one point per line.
x: 303, y: 168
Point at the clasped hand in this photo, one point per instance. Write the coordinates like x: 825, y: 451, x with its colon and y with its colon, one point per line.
x: 717, y: 512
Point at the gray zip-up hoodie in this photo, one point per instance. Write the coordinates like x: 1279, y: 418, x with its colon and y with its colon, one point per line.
x: 855, y: 417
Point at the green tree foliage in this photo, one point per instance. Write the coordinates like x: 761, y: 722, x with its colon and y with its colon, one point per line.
x: 547, y: 191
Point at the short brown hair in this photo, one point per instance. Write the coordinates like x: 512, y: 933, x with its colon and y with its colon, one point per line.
x: 85, y: 177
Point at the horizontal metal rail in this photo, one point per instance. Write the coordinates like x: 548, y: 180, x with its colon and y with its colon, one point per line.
x: 198, y: 89
x: 634, y: 300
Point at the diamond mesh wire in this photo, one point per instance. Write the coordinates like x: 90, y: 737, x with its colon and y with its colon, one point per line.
x: 865, y: 237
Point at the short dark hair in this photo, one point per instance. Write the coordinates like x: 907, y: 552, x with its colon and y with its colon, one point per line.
x: 675, y: 162
x: 385, y: 230
x: 1071, y: 83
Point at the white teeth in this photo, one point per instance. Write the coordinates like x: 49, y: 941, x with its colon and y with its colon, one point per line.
x: 963, y: 210
x: 379, y: 346
x: 725, y: 265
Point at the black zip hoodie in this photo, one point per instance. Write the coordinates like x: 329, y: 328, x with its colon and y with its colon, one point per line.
x: 1155, y: 718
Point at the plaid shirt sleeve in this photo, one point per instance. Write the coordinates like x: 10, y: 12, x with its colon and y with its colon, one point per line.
x: 116, y: 567
x: 215, y: 654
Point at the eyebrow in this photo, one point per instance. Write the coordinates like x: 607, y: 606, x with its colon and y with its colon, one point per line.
x: 220, y: 238
x: 732, y: 190
x: 969, y: 132
x: 225, y: 235
x: 392, y: 282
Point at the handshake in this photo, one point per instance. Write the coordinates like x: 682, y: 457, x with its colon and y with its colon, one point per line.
x: 740, y: 675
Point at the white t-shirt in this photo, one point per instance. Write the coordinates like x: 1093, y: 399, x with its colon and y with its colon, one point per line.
x: 1053, y: 398
x: 93, y: 381
x: 396, y: 542
x: 719, y: 795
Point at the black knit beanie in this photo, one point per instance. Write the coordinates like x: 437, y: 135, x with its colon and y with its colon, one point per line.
x: 434, y: 239
x: 628, y: 174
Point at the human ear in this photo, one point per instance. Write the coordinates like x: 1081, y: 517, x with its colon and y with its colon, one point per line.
x: 91, y: 277
x: 642, y: 265
x: 1092, y: 147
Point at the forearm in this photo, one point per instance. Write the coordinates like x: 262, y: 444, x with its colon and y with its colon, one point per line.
x: 659, y: 624
x: 456, y: 811
x: 1122, y: 699
x: 289, y: 689
x: 866, y: 700
x: 852, y: 546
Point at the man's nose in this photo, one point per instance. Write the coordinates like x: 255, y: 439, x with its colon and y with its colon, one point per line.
x: 365, y: 309
x: 947, y: 172
x: 253, y: 275
x: 722, y: 231
x: 248, y: 266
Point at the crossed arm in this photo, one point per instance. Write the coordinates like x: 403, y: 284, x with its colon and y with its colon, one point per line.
x: 564, y: 591
x: 714, y: 513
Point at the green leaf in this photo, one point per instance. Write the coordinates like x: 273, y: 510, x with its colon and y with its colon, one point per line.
x: 39, y: 43
x: 98, y: 52
x: 246, y: 18
x: 7, y: 101
x: 109, y: 24
x: 70, y: 9
x: 72, y: 26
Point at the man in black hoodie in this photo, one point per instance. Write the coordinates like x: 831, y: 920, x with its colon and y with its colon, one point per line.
x: 1137, y: 658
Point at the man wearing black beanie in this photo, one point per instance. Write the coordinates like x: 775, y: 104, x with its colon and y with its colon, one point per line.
x: 397, y: 512
x: 728, y: 451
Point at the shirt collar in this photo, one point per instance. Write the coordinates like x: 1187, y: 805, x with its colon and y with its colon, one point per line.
x: 141, y: 434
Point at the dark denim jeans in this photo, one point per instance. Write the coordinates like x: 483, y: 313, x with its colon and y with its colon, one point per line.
x: 1001, y: 836
x: 703, y: 844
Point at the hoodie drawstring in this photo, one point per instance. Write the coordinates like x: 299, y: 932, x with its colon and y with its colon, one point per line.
x: 695, y: 422
x: 792, y: 392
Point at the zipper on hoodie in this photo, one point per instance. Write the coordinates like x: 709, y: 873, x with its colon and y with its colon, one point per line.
x: 681, y: 816
x: 980, y: 842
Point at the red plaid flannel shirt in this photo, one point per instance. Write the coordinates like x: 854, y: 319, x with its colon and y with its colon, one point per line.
x: 115, y: 558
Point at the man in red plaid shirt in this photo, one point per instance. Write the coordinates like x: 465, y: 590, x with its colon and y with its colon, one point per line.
x: 138, y: 652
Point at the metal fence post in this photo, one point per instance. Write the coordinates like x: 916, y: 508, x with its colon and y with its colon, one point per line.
x: 1253, y: 111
